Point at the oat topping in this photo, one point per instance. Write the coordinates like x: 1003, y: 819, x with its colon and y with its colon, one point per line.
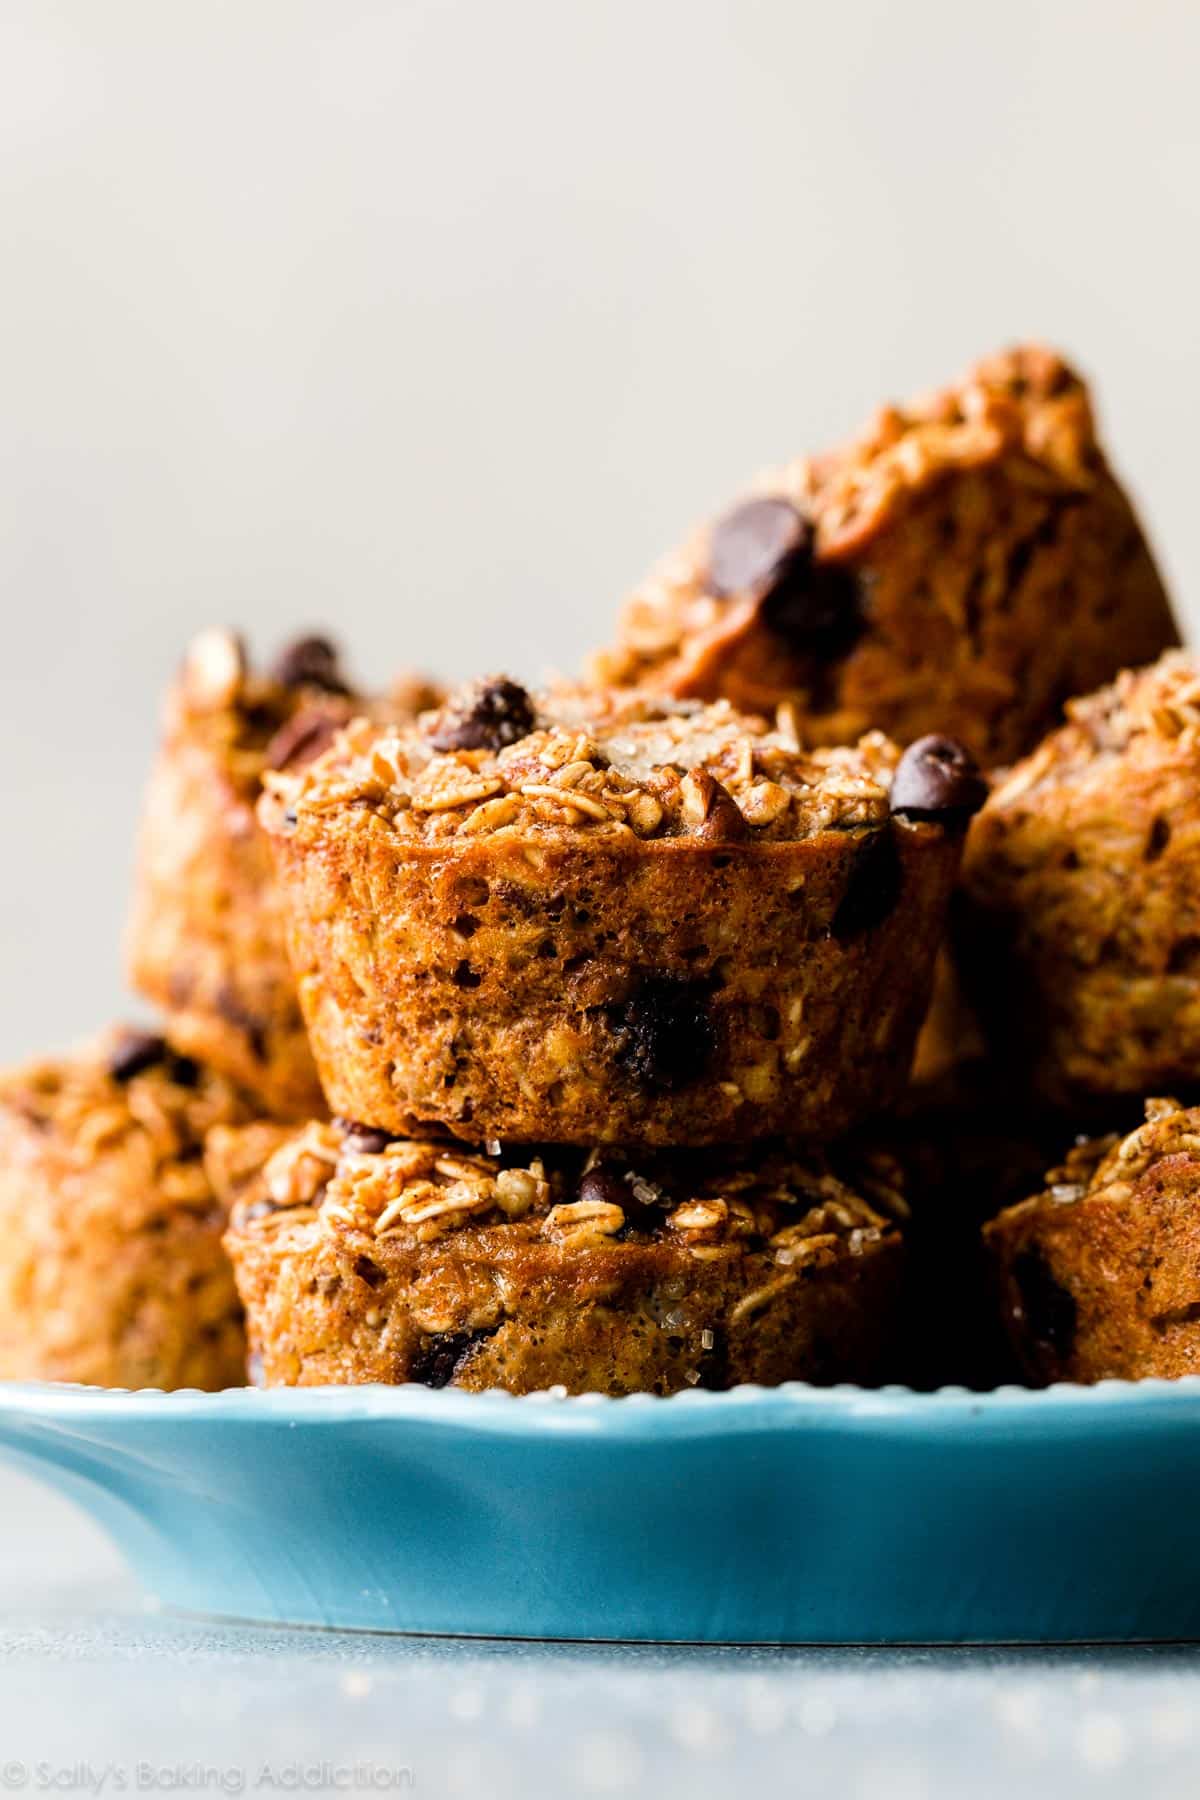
x: 625, y: 765
x: 251, y: 719
x: 700, y: 1215
x: 1026, y: 402
x: 1026, y: 399
x: 581, y: 1223
x: 104, y: 1096
x: 310, y: 662
x: 244, y: 717
x: 214, y: 669
x: 418, y: 1191
x: 1140, y: 713
x: 1162, y: 700
x: 1114, y: 1165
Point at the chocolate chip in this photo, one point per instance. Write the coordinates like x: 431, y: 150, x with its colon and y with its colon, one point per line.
x: 666, y: 1035
x: 874, y: 887
x: 310, y: 662
x: 606, y: 1186
x: 184, y: 1071
x: 443, y: 1355
x: 816, y: 608
x: 641, y: 1218
x: 753, y: 545
x: 1049, y: 1309
x: 484, y: 715
x: 766, y: 548
x: 135, y: 1051
x: 362, y: 1140
x: 937, y: 779
x: 300, y: 740
x: 612, y: 1185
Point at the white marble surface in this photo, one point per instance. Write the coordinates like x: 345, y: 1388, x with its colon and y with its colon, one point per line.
x: 99, y: 1695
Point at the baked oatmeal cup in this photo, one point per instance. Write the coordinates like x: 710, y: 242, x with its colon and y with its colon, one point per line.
x: 364, y: 1259
x: 964, y: 566
x: 1079, y: 926
x: 1099, y: 1274
x: 111, y: 1266
x: 205, y: 941
x: 614, y: 919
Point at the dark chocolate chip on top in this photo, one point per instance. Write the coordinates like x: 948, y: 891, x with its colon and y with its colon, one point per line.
x: 484, y: 715
x: 310, y: 662
x: 612, y: 1185
x: 604, y: 1185
x: 301, y: 739
x: 753, y: 545
x: 135, y: 1051
x: 184, y: 1071
x: 362, y: 1140
x: 766, y: 548
x: 937, y: 779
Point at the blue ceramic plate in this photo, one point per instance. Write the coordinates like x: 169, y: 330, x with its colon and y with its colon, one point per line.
x: 759, y: 1516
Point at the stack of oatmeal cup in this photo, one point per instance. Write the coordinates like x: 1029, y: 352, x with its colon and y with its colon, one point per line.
x: 566, y: 1039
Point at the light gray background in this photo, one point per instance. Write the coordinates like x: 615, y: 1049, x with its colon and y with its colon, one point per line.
x: 437, y: 319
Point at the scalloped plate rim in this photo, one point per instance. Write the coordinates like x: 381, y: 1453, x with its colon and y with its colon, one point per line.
x: 791, y: 1403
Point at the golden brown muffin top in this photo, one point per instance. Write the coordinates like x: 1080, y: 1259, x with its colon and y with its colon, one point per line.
x: 1027, y: 400
x: 282, y: 716
x: 126, y: 1087
x: 348, y: 1177
x: 497, y: 760
x: 1025, y: 403
x: 1113, y: 1166
x: 1144, y: 715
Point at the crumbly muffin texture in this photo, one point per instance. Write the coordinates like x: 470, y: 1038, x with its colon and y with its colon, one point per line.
x: 205, y: 941
x: 1099, y: 1275
x: 363, y: 1259
x: 1079, y: 933
x: 599, y: 918
x: 963, y: 567
x: 111, y: 1266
